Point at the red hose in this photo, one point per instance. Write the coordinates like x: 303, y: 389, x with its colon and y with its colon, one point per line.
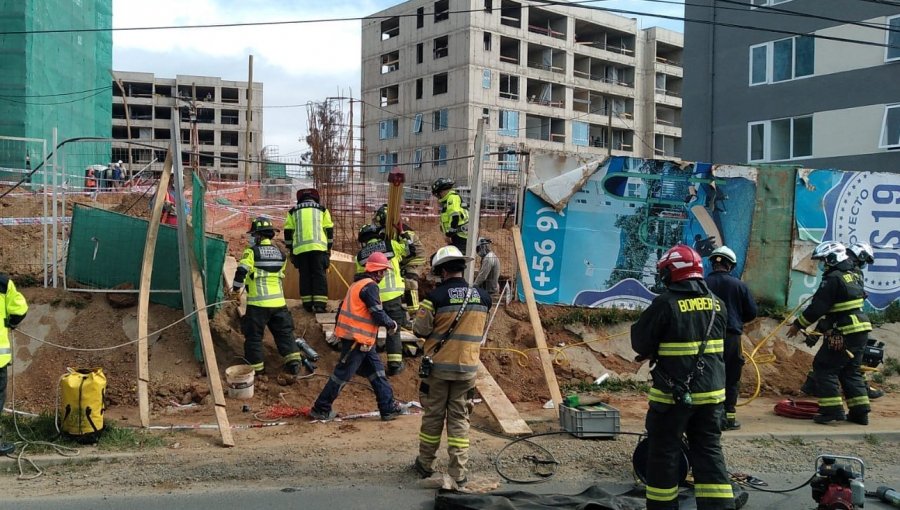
x: 797, y: 409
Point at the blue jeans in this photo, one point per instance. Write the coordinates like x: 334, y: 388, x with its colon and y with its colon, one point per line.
x: 354, y: 361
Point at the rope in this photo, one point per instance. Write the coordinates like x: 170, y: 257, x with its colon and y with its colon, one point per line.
x: 338, y: 272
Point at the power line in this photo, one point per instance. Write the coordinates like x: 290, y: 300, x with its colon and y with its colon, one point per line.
x: 778, y: 10
x: 27, y: 96
x: 99, y: 91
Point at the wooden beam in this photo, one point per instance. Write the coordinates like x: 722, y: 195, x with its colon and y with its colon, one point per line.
x: 498, y: 403
x: 143, y: 363
x: 539, y: 339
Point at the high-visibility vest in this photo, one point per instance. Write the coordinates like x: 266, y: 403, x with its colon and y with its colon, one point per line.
x: 392, y: 285
x: 354, y: 321
x: 453, y: 208
x: 12, y: 302
x: 264, y: 264
x: 309, y: 222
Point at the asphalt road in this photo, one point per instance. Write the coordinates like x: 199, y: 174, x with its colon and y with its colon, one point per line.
x: 358, y: 497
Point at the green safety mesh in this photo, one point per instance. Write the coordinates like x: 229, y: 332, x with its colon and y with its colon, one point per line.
x: 56, y: 80
x: 106, y: 250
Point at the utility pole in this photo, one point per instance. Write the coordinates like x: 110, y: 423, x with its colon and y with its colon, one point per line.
x: 475, y: 200
x: 247, y: 151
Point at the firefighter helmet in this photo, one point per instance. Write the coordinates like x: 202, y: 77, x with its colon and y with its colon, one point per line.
x: 441, y: 184
x: 723, y: 254
x: 862, y: 252
x: 380, y: 217
x: 681, y: 262
x: 377, y: 262
x: 448, y: 257
x: 367, y: 233
x: 260, y: 225
x: 308, y: 194
x: 830, y: 252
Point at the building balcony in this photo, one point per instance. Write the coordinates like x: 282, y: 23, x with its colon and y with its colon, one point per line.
x: 670, y: 68
x: 668, y: 98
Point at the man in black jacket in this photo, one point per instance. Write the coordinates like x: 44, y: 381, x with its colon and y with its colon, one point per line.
x: 741, y: 308
x: 682, y: 332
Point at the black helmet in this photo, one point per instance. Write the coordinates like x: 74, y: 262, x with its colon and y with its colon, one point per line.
x: 380, y: 218
x: 308, y: 194
x: 367, y: 233
x: 261, y: 225
x: 441, y: 184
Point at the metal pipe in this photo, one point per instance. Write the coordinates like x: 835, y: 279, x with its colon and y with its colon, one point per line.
x: 125, y: 291
x: 55, y: 229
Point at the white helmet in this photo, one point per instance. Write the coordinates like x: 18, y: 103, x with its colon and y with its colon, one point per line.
x: 863, y: 253
x: 725, y: 253
x: 831, y: 252
x: 444, y: 255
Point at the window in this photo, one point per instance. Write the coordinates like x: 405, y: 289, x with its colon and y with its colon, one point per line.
x: 439, y: 155
x: 419, y: 87
x: 509, y: 123
x: 390, y: 28
x: 387, y: 161
x: 439, y: 120
x: 487, y: 41
x: 890, y: 129
x: 417, y: 159
x: 388, y: 129
x: 417, y: 124
x: 420, y: 17
x: 509, y: 86
x: 782, y: 60
x: 486, y: 115
x: 390, y: 62
x: 781, y: 139
x: 580, y: 132
x: 765, y: 3
x: 390, y: 95
x: 893, y: 39
x: 507, y: 158
x: 441, y: 10
x: 488, y: 6
x: 486, y: 79
x: 486, y: 154
x: 439, y: 84
x: 441, y: 47
x: 420, y: 53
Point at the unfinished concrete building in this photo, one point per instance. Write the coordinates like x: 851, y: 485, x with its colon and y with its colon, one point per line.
x: 221, y: 116
x: 554, y: 78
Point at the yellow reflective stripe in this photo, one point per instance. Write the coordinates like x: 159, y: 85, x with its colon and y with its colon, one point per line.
x: 459, y: 442
x: 658, y: 494
x: 292, y: 357
x: 831, y: 401
x: 5, y: 350
x: 427, y: 305
x: 709, y: 397
x: 855, y: 326
x: 846, y: 305
x: 803, y: 322
x: 394, y: 357
x: 660, y: 396
x: 858, y: 401
x: 690, y: 348
x: 257, y: 367
x: 713, y: 490
x: 429, y: 439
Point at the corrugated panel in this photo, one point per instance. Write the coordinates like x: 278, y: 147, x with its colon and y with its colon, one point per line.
x: 768, y: 263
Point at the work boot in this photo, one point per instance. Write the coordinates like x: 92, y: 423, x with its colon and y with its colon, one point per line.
x: 292, y: 367
x: 822, y: 419
x: 319, y: 308
x: 322, y: 415
x: 731, y: 424
x: 7, y: 448
x: 421, y: 470
x: 462, y: 482
x: 308, y: 307
x: 394, y: 368
x: 874, y: 393
x: 393, y: 413
x: 859, y: 418
x: 740, y: 496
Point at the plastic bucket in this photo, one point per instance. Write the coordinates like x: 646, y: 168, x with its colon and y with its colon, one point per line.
x: 240, y: 381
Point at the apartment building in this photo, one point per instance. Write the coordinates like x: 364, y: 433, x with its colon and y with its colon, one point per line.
x: 812, y: 82
x: 221, y: 117
x: 556, y: 78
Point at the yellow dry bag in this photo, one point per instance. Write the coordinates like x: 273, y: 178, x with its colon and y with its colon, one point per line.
x: 82, y: 397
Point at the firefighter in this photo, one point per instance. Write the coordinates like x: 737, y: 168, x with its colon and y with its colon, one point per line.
x: 13, y: 309
x: 451, y: 319
x: 837, y: 305
x: 682, y: 333
x: 261, y: 270
x: 861, y: 254
x: 309, y: 235
x: 412, y: 264
x: 741, y: 309
x: 371, y: 240
x: 454, y: 213
x: 357, y: 324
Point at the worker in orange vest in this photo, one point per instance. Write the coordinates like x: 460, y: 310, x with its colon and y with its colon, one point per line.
x: 358, y: 320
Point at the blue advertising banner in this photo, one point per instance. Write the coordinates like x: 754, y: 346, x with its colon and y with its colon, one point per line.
x: 602, y: 248
x: 849, y: 207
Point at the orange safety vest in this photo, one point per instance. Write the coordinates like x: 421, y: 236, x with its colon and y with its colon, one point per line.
x: 354, y: 321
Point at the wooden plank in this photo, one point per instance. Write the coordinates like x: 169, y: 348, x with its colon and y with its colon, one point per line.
x: 325, y: 318
x: 339, y: 276
x: 498, y: 403
x: 539, y: 339
x: 405, y: 336
x: 228, y: 270
x: 143, y: 355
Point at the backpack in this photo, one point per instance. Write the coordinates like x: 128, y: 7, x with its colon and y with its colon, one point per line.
x: 82, y: 398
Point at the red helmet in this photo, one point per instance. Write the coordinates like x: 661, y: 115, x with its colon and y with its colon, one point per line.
x: 681, y: 262
x: 308, y: 194
x: 377, y: 262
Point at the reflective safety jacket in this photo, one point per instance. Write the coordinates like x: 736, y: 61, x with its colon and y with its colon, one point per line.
x: 12, y: 310
x: 459, y: 356
x: 670, y: 332
x: 361, y: 313
x: 415, y: 250
x: 308, y: 227
x: 839, y: 299
x: 392, y: 285
x: 454, y: 217
x: 262, y: 269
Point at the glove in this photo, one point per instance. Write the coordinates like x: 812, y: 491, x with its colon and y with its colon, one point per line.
x: 365, y: 348
x: 8, y: 324
x: 793, y: 331
x: 811, y: 340
x: 395, y: 328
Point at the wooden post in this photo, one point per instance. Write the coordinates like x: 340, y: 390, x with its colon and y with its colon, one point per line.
x: 475, y: 200
x: 143, y: 365
x: 539, y: 340
x: 127, y: 116
x: 249, y: 119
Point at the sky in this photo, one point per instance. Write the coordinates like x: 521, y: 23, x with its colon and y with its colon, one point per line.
x: 296, y: 63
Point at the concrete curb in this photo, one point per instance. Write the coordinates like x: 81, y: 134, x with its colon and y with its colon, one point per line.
x: 43, y: 460
x: 827, y: 432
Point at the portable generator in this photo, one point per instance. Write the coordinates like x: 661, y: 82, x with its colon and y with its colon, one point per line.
x: 838, y: 485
